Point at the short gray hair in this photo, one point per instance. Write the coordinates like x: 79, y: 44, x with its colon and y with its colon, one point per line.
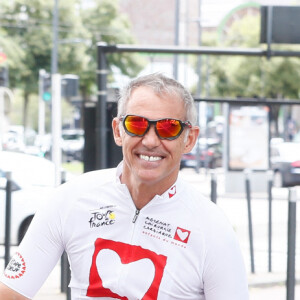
x: 160, y: 84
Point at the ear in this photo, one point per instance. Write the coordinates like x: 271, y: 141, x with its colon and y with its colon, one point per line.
x: 191, y: 139
x: 116, y: 131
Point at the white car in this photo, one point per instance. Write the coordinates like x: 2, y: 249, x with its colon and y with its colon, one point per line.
x: 285, y: 162
x: 72, y: 144
x: 32, y: 179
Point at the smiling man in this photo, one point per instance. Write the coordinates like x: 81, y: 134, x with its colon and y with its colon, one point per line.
x: 137, y: 231
x: 152, y: 158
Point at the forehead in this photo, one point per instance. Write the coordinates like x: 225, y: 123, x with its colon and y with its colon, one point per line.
x: 146, y: 102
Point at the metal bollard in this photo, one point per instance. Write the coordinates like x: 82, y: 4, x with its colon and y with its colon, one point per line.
x: 213, y: 186
x: 248, y: 194
x: 270, y: 184
x: 290, y: 282
x: 65, y: 274
x: 68, y: 289
x: 63, y: 177
x: 7, y: 219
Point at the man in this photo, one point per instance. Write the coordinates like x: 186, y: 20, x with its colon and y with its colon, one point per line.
x: 137, y: 232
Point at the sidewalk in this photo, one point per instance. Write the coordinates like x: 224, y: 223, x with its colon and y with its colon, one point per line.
x: 262, y: 284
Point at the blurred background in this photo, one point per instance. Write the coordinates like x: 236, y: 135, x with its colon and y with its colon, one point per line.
x: 248, y: 109
x: 40, y: 38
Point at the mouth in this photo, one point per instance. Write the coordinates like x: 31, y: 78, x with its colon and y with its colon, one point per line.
x: 150, y: 158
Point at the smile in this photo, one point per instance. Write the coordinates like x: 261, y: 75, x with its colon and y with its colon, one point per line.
x: 150, y: 158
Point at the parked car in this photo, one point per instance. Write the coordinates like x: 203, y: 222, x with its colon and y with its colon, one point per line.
x: 17, y: 139
x: 210, y: 155
x: 32, y: 180
x: 72, y: 144
x: 285, y: 162
x: 13, y: 142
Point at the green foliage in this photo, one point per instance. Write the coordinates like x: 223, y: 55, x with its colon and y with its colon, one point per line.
x: 105, y: 23
x: 17, y: 110
x: 245, y: 76
x: 243, y: 32
x: 26, y: 36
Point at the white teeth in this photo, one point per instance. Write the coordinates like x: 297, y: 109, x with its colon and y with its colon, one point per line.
x: 150, y: 158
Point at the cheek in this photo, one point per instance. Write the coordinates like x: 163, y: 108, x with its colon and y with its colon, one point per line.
x: 175, y: 148
x: 128, y: 143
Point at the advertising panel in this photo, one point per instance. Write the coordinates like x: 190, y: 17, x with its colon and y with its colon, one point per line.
x: 248, y: 137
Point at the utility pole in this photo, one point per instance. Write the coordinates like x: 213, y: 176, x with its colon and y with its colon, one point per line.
x: 2, y: 117
x: 176, y: 42
x: 202, y: 105
x: 3, y: 91
x: 41, y: 123
x: 56, y: 126
x: 56, y: 99
x: 54, y: 56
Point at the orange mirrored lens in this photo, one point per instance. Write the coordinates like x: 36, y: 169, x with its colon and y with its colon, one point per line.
x: 168, y: 128
x: 136, y: 125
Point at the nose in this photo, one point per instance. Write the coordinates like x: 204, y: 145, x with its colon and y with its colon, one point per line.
x: 150, y: 139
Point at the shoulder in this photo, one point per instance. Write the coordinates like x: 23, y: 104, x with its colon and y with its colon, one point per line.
x: 202, y: 210
x: 83, y: 185
x: 90, y: 179
x: 67, y: 198
x: 194, y: 199
x: 103, y: 175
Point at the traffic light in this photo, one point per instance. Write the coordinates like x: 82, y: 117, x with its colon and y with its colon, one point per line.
x: 3, y: 76
x: 46, y: 93
x: 69, y: 86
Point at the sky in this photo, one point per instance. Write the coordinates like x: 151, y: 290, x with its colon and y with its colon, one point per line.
x: 213, y: 11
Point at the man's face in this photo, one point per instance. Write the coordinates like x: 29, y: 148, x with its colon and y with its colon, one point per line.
x: 165, y: 155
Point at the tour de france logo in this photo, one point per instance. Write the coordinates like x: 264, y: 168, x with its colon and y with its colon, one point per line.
x: 102, y: 217
x: 16, y: 267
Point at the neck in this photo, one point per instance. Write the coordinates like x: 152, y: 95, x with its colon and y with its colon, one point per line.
x: 142, y: 193
x: 143, y: 186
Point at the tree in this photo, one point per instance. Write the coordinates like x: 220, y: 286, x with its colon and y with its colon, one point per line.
x: 105, y: 23
x: 259, y: 76
x: 12, y: 50
x: 27, y: 25
x: 234, y: 76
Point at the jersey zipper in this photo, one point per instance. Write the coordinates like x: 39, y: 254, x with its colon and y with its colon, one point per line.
x: 137, y: 211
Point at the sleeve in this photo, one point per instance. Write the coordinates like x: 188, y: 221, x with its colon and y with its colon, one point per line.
x: 225, y: 277
x: 39, y: 251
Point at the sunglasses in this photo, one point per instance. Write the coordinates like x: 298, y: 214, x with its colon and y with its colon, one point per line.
x: 166, y: 129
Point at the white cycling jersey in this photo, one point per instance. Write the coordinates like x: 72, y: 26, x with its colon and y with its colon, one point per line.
x: 179, y: 246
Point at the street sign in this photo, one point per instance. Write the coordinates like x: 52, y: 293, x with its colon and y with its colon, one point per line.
x: 2, y: 57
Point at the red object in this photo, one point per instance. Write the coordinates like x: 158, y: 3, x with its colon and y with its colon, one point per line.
x: 3, y: 57
x: 296, y: 164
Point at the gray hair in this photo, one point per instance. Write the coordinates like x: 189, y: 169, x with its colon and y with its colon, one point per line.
x: 160, y: 84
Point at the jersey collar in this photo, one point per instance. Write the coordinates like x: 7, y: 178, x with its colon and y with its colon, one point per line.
x: 170, y: 193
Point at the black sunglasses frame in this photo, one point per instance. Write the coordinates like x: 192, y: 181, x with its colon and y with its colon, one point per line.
x: 154, y: 122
